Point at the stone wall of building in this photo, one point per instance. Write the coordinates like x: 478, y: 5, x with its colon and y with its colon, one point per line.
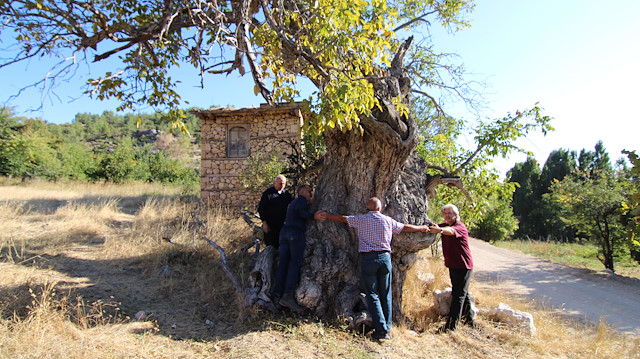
x: 221, y: 182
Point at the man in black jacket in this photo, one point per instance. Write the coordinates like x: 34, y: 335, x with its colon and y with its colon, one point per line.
x: 273, y: 210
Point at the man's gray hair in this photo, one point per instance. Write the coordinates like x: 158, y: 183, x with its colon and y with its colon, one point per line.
x: 279, y: 176
x: 453, y: 208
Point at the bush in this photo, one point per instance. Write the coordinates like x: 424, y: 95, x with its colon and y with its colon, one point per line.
x: 167, y: 170
x: 498, y: 222
x: 262, y: 169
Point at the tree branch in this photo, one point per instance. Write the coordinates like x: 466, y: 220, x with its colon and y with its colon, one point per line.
x: 244, y: 42
x: 482, y: 145
x: 414, y: 20
x: 433, y: 101
x: 225, y: 266
x: 223, y: 257
x: 291, y: 46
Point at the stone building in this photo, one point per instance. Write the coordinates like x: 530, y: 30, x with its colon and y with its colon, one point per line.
x: 230, y: 136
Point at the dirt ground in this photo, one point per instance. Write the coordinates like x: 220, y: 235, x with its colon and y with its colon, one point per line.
x: 581, y: 295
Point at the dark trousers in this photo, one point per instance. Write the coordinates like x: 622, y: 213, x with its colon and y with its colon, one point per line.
x: 376, y: 277
x: 460, y: 303
x: 273, y: 237
x: 291, y: 252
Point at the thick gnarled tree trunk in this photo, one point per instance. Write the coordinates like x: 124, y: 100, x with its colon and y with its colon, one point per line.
x: 357, y: 167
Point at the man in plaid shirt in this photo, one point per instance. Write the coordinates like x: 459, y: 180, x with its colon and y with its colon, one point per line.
x: 375, y: 231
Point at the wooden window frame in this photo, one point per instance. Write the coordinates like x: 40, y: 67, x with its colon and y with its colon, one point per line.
x: 234, y: 141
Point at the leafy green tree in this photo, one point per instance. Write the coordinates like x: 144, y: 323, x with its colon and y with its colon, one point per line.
x: 592, y: 205
x: 168, y: 170
x: 539, y: 216
x: 631, y: 206
x: 527, y: 197
x: 28, y: 149
x: 497, y: 222
x: 590, y: 162
x: 8, y: 124
x: 558, y: 165
x: 124, y: 164
x: 261, y: 169
x: 76, y: 160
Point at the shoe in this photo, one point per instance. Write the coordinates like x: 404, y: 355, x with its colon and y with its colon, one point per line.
x: 444, y: 329
x: 288, y: 301
x: 469, y: 320
x: 380, y: 335
x: 470, y: 323
x: 275, y: 299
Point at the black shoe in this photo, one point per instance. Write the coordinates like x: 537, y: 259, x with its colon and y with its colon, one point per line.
x: 288, y: 301
x: 275, y: 300
x: 444, y: 329
x: 469, y: 320
x: 470, y: 323
x: 380, y: 335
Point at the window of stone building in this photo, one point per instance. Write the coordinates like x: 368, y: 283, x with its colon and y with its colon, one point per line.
x: 238, y: 140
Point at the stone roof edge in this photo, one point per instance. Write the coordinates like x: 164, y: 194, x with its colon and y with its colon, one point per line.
x: 264, y: 108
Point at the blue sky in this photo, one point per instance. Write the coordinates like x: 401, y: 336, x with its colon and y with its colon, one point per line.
x: 579, y: 59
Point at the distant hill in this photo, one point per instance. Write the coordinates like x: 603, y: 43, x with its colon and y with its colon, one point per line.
x: 118, y: 148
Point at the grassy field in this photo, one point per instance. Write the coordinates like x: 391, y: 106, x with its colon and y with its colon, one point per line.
x: 105, y: 271
x: 579, y: 255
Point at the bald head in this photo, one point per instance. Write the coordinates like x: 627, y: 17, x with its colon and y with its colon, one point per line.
x: 374, y: 204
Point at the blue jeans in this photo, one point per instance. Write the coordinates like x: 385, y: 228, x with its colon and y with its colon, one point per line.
x: 376, y: 277
x: 291, y: 251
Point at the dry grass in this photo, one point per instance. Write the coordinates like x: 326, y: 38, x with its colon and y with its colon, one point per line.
x: 78, y: 261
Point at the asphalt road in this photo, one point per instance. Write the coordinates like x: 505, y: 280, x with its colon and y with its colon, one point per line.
x: 576, y: 293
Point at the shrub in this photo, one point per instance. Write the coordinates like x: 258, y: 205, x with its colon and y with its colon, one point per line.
x: 498, y: 222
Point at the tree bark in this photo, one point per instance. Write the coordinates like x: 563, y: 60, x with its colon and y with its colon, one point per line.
x: 356, y: 167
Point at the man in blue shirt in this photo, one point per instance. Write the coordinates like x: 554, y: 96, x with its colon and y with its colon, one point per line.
x: 291, y: 251
x: 375, y: 231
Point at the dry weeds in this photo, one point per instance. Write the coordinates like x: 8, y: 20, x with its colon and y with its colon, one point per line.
x: 78, y: 262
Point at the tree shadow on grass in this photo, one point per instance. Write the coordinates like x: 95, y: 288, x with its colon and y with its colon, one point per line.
x: 128, y: 286
x: 124, y: 204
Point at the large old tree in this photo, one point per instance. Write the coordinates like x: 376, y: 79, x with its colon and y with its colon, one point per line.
x: 351, y: 50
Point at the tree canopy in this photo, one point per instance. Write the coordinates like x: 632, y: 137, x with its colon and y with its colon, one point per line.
x: 592, y: 205
x: 339, y: 45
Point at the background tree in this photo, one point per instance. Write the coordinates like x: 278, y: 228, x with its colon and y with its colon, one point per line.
x: 592, y: 206
x: 631, y: 206
x: 498, y: 222
x: 527, y: 197
x: 558, y: 165
x: 28, y: 149
x: 537, y: 214
x: 590, y: 162
x: 591, y: 202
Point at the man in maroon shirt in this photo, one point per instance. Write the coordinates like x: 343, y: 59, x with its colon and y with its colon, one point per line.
x: 457, y: 257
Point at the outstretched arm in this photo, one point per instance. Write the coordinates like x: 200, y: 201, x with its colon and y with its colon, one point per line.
x: 447, y: 231
x: 412, y: 228
x: 335, y: 217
